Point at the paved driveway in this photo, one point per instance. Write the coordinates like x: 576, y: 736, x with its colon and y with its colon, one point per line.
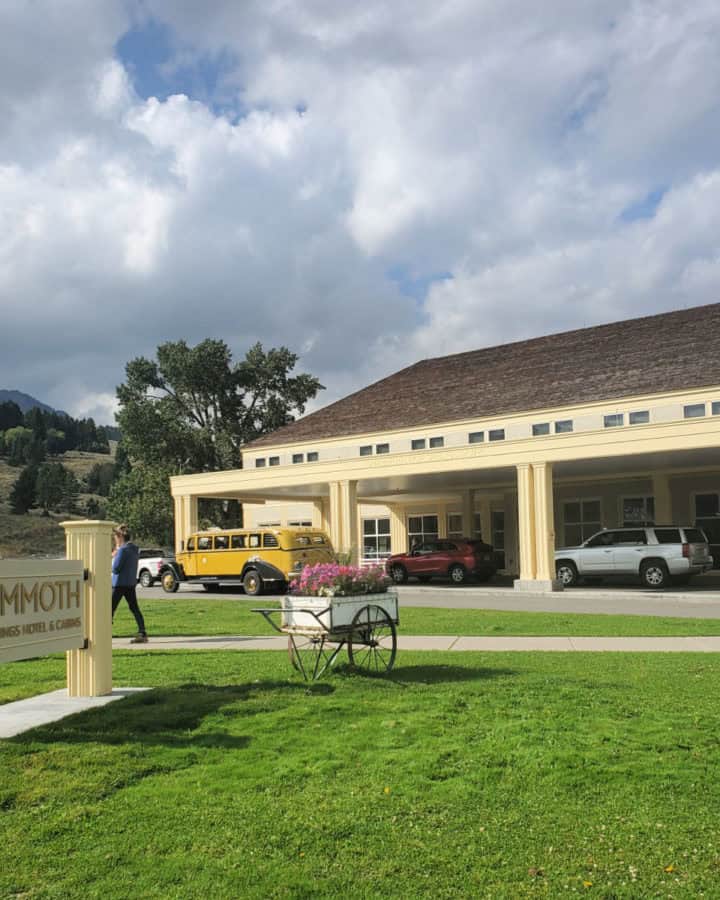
x: 700, y: 600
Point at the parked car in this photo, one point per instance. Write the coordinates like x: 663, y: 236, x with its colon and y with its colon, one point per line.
x: 457, y: 560
x: 150, y: 563
x: 655, y: 554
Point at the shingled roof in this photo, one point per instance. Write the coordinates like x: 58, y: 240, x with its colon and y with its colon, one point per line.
x: 672, y: 351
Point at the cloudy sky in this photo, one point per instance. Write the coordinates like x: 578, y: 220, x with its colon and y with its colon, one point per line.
x: 368, y: 183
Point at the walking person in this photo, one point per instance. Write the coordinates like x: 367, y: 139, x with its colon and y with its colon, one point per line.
x: 124, y: 579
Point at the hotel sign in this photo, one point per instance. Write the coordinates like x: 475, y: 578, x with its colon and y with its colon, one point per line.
x: 41, y: 607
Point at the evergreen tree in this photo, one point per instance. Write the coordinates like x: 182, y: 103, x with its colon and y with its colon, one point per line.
x: 10, y: 415
x: 50, y: 486
x: 22, y: 494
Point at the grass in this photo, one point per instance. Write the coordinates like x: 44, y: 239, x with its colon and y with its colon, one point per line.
x: 518, y: 775
x: 193, y: 616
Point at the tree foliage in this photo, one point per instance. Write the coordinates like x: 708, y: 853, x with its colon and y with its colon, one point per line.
x: 141, y: 498
x: 22, y: 493
x: 192, y: 409
x: 56, y: 487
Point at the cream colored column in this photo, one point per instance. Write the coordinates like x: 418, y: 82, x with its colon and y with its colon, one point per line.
x: 317, y: 513
x: 468, y: 512
x: 663, y: 499
x: 349, y: 508
x: 526, y: 522
x: 441, y: 512
x: 186, y: 519
x: 89, y: 672
x: 398, y: 529
x: 486, y: 520
x: 335, y: 517
x: 544, y: 522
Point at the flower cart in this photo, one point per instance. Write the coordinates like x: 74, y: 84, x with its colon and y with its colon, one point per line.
x: 334, y: 606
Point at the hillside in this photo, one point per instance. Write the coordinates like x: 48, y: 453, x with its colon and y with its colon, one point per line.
x: 25, y: 401
x: 34, y: 534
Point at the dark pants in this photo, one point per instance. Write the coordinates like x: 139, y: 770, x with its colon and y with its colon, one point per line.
x: 129, y: 594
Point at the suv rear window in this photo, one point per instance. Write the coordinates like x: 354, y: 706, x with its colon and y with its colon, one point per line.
x: 695, y: 536
x: 668, y: 535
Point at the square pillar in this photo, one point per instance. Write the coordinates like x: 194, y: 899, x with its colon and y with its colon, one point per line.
x: 186, y: 519
x: 536, y: 529
x: 663, y: 499
x: 468, y: 512
x: 441, y: 511
x: 398, y: 530
x: 344, y: 518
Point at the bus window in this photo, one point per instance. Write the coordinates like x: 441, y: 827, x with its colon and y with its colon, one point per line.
x: 254, y: 541
x: 204, y: 543
x: 237, y: 541
x: 191, y: 544
x: 221, y: 542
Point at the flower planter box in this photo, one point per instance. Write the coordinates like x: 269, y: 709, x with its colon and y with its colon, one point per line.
x: 332, y: 614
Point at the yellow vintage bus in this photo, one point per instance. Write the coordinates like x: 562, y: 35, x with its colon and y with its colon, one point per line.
x: 258, y: 559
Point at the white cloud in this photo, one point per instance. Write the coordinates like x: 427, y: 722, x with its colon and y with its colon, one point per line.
x: 493, y: 150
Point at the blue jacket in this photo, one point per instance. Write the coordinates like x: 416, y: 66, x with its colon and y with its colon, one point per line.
x: 125, y: 566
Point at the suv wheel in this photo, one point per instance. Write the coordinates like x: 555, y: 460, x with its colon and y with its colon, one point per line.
x: 567, y: 573
x: 457, y: 574
x: 654, y: 574
x: 146, y: 579
x: 398, y: 573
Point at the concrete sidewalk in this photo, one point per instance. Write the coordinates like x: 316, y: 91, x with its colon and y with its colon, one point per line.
x: 451, y: 642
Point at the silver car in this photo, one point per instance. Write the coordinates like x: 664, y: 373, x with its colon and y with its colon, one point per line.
x: 655, y: 554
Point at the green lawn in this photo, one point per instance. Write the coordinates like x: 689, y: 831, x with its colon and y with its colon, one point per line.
x: 513, y: 775
x: 194, y: 616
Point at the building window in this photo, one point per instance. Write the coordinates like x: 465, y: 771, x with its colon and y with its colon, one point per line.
x: 418, y: 444
x: 541, y: 428
x: 421, y: 529
x: 641, y: 417
x: 582, y: 518
x: 716, y: 407
x: 476, y: 437
x: 454, y: 526
x: 260, y: 462
x: 436, y: 442
x: 366, y: 450
x: 496, y: 434
x: 312, y: 456
x: 297, y: 457
x: 638, y: 511
x: 565, y: 426
x: 376, y: 540
x: 382, y: 448
x: 274, y: 460
x: 300, y: 523
x: 614, y: 421
x: 497, y: 523
x: 694, y: 410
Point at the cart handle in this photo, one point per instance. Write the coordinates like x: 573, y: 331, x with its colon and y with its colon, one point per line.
x: 267, y: 615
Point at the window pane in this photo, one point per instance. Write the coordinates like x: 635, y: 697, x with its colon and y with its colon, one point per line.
x: 383, y: 526
x: 613, y: 421
x: 254, y: 540
x: 415, y: 524
x: 382, y: 448
x: 630, y: 537
x: 716, y: 408
x: 221, y: 542
x: 430, y: 524
x: 564, y: 426
x: 297, y: 457
x: 237, y: 541
x: 541, y: 428
x: 270, y: 540
x: 383, y: 544
x: 204, y: 543
x: 370, y: 545
x: 668, y: 535
x: 191, y: 544
x: 650, y: 510
x: 418, y: 444
x: 591, y: 511
x: 455, y: 524
x: 366, y: 450
x: 693, y: 536
x: 706, y: 505
x: 436, y: 442
x: 694, y: 410
x: 312, y: 456
x: 259, y: 463
x: 476, y: 437
x: 496, y: 434
x: 573, y: 535
x: 639, y: 418
x: 274, y: 460
x: 369, y: 526
x: 572, y: 512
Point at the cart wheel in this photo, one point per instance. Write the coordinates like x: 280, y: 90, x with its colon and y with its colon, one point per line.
x: 309, y: 655
x: 372, y: 644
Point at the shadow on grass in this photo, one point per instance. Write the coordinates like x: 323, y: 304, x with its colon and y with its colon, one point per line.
x: 164, y: 717
x: 429, y: 674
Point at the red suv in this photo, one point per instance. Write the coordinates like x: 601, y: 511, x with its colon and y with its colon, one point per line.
x: 456, y: 560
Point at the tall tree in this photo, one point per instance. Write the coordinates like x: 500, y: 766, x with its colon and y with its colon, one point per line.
x: 22, y: 494
x: 192, y: 409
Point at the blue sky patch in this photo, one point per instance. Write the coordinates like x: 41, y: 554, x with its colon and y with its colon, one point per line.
x: 644, y: 208
x: 413, y: 285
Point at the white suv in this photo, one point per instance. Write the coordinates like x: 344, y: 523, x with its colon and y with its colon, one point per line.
x: 656, y: 554
x: 149, y: 564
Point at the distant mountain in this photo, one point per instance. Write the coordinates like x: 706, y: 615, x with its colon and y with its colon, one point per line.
x: 26, y: 402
